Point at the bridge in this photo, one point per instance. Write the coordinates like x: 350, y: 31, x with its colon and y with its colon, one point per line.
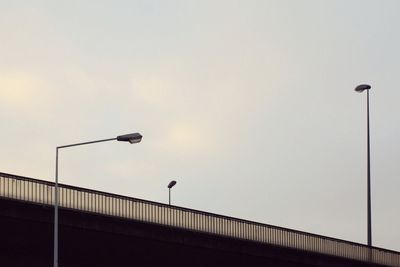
x: 104, y: 229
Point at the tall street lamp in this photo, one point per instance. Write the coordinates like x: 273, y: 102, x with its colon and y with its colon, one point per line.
x: 361, y: 88
x: 170, y: 185
x: 131, y: 138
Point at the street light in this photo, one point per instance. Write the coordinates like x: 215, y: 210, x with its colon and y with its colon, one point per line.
x: 361, y: 88
x: 170, y: 185
x: 131, y: 138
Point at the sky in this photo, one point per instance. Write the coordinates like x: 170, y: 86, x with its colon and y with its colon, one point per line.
x: 248, y: 105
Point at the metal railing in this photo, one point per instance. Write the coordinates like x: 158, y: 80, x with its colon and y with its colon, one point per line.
x: 38, y: 191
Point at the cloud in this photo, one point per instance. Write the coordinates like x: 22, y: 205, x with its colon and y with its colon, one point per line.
x: 22, y: 90
x: 190, y: 138
x: 152, y: 90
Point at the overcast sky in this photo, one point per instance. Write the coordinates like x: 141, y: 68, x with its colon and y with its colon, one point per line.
x: 249, y: 105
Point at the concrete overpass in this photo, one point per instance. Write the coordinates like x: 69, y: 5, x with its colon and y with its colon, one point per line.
x: 103, y: 229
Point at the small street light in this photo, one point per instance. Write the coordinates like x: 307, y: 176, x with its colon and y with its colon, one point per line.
x: 170, y: 185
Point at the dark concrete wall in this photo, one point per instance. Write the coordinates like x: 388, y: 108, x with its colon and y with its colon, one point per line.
x: 26, y: 232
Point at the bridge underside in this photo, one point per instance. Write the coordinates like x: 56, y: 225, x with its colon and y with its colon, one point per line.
x: 26, y: 232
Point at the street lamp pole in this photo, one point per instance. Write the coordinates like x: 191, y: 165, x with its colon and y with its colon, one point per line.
x: 360, y: 89
x: 369, y: 176
x: 131, y: 138
x: 170, y: 185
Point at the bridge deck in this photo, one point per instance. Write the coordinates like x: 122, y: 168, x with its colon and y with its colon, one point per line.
x: 96, y: 202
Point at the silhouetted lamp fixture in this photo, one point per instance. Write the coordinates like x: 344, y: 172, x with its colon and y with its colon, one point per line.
x: 361, y: 88
x: 131, y: 138
x: 170, y: 185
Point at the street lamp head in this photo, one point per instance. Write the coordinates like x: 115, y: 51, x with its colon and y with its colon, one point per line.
x: 131, y: 138
x: 360, y: 88
x: 171, y: 184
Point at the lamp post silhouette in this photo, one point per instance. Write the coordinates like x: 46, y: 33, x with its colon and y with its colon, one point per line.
x: 170, y: 185
x: 361, y: 88
x: 131, y: 138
